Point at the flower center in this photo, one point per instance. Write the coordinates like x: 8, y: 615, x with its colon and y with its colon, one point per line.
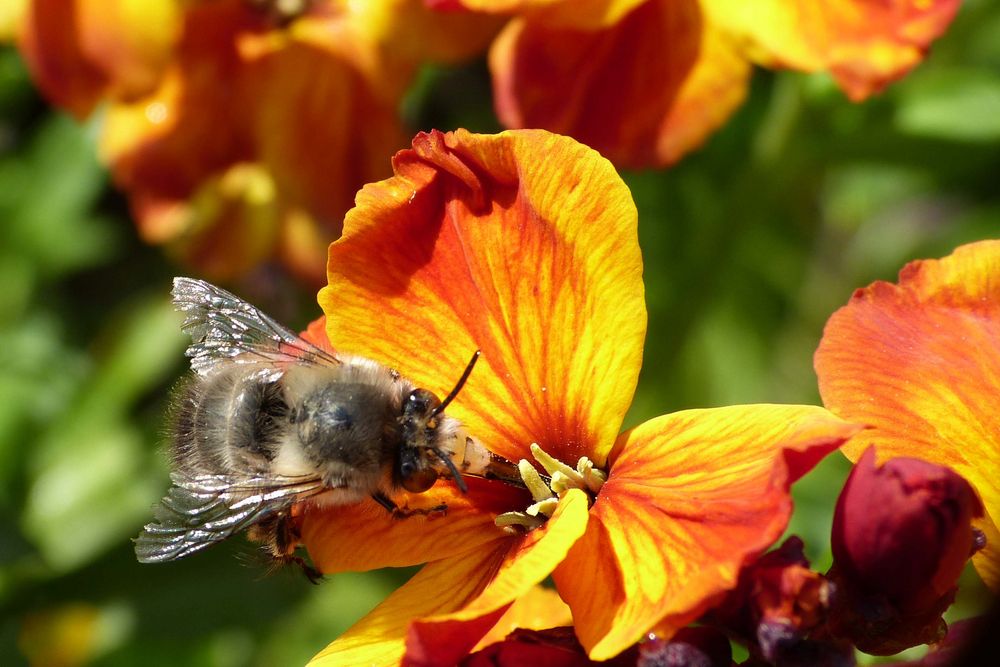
x: 547, y: 492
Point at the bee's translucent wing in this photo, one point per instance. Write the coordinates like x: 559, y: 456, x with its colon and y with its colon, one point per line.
x: 227, y: 329
x: 202, y: 510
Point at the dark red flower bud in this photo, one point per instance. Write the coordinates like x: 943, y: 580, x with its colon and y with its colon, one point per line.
x: 557, y: 647
x: 783, y: 644
x: 902, y: 533
x: 691, y: 647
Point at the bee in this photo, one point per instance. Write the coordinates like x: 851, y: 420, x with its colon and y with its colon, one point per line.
x: 270, y: 425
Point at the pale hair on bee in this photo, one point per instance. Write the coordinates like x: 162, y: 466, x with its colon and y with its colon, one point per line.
x: 269, y: 425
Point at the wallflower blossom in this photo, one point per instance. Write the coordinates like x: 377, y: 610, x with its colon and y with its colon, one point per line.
x: 919, y: 361
x: 524, y: 245
x: 646, y: 81
x: 240, y: 129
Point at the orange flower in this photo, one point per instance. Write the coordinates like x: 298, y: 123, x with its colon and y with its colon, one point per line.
x: 241, y: 129
x: 920, y: 362
x: 524, y: 245
x: 646, y: 81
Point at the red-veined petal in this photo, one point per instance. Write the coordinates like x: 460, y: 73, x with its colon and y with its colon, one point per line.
x: 522, y: 245
x: 920, y: 362
x: 365, y: 536
x: 458, y: 599
x: 690, y: 498
x: 446, y: 638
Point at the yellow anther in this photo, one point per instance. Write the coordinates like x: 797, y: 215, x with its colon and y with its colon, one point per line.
x: 552, y: 465
x: 536, y: 485
x: 545, y: 507
x: 593, y: 478
x: 512, y: 520
x: 560, y: 483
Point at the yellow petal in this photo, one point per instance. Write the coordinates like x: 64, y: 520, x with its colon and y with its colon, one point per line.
x: 446, y: 609
x: 380, y: 637
x: 690, y: 498
x: 864, y: 44
x: 446, y: 638
x: 538, y: 609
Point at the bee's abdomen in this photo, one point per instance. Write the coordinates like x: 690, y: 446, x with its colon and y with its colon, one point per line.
x: 228, y: 423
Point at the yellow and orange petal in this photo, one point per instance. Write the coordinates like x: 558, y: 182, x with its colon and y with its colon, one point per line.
x: 377, y: 539
x: 864, y: 44
x: 459, y: 599
x: 413, y: 30
x: 919, y: 361
x: 522, y: 245
x: 79, y: 51
x: 323, y: 132
x: 682, y: 79
x: 51, y: 48
x: 690, y: 498
x: 225, y: 228
x: 538, y: 609
x: 577, y: 14
x: 12, y: 15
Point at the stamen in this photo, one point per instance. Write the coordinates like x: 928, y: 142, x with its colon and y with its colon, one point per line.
x: 545, y: 507
x: 551, y: 465
x: 512, y: 521
x: 547, y: 494
x: 536, y: 485
x: 593, y: 478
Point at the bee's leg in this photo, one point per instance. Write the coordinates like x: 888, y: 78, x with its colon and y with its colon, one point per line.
x: 405, y: 512
x: 280, y: 536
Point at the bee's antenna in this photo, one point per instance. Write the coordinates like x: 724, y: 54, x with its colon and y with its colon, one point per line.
x: 454, y: 392
x: 447, y: 459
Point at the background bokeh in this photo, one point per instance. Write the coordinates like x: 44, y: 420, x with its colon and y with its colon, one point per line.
x: 749, y: 245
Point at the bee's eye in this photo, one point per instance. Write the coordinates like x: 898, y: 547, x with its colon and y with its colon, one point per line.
x: 419, y: 481
x: 420, y: 402
x: 412, y: 473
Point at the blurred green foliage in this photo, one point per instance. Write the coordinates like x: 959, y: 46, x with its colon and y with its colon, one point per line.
x: 749, y: 244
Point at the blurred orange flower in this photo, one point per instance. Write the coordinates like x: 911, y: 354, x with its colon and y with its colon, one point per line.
x: 920, y: 362
x: 241, y: 129
x: 524, y: 245
x: 646, y: 81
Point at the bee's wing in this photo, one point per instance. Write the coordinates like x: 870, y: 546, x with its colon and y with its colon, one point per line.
x: 202, y: 510
x: 225, y: 329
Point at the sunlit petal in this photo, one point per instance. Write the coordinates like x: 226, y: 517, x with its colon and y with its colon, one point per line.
x: 444, y: 639
x: 920, y: 362
x: 691, y: 497
x: 131, y: 41
x: 440, y: 587
x: 864, y: 44
x: 538, y: 609
x: 521, y: 244
x: 459, y: 599
x: 365, y: 536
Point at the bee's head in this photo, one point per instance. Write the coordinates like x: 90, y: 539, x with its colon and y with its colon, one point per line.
x: 425, y: 428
